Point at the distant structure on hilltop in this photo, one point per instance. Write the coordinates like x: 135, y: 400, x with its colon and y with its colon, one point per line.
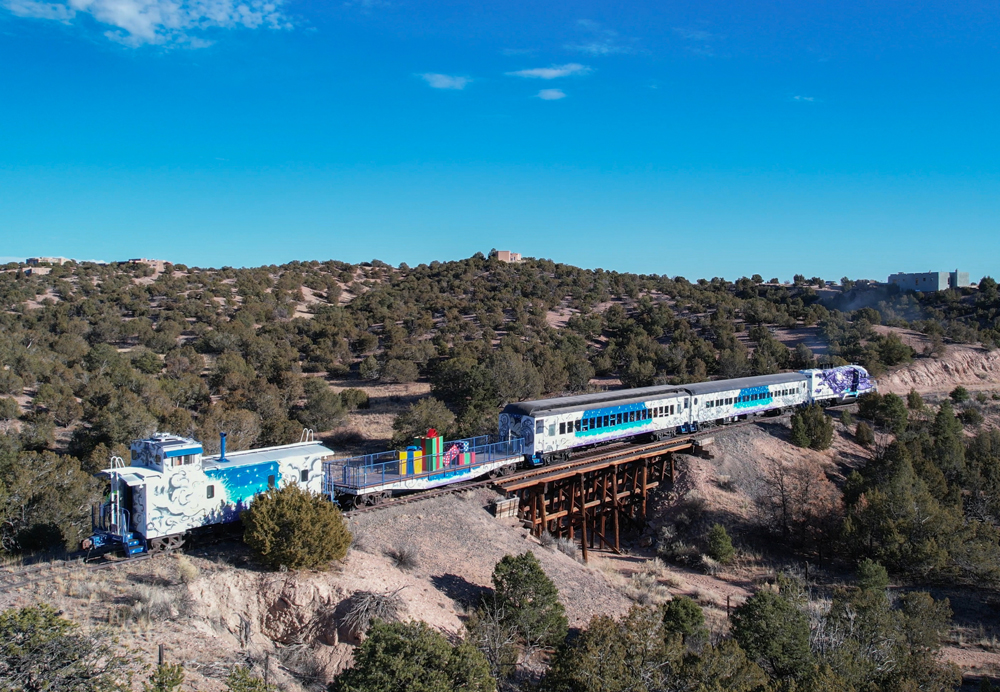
x: 158, y: 265
x: 930, y: 281
x: 508, y: 256
x: 35, y: 261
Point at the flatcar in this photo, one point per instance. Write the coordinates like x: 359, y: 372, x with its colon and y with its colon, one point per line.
x: 553, y: 428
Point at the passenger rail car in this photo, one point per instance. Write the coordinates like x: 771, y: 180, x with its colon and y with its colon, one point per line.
x: 553, y: 428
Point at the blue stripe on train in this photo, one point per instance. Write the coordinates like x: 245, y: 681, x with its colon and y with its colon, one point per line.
x: 748, y: 392
x: 613, y: 410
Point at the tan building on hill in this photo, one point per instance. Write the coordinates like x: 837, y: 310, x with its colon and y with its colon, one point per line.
x: 35, y: 261
x: 157, y: 265
x: 508, y: 256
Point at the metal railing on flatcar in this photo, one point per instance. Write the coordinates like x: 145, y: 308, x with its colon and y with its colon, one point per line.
x: 371, y: 470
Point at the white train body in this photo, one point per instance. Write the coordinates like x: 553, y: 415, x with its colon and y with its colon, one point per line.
x: 171, y: 488
x: 552, y: 428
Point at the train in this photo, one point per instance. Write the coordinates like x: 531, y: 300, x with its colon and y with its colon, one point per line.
x: 170, y: 490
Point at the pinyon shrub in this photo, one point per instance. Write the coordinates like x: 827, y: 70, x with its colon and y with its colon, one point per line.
x: 295, y: 528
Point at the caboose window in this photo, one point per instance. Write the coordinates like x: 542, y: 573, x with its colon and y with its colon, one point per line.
x: 210, y: 492
x: 304, y: 476
x: 539, y: 427
x: 606, y: 422
x: 562, y: 428
x: 577, y: 426
x: 270, y: 481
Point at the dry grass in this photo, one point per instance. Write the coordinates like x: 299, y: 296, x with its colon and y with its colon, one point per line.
x: 145, y: 605
x: 88, y: 587
x: 645, y: 589
x: 405, y: 556
x: 563, y: 545
x: 187, y: 571
x: 368, y: 606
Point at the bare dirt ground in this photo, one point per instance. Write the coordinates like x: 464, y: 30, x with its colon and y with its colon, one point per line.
x: 973, y: 367
x: 370, y: 430
x: 810, y: 336
x: 214, y: 609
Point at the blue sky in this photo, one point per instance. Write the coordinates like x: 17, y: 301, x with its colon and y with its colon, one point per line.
x: 695, y: 138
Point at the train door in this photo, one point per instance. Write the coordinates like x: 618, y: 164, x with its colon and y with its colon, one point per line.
x: 130, y: 500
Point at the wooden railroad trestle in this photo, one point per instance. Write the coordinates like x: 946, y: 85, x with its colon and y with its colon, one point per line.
x: 591, y: 502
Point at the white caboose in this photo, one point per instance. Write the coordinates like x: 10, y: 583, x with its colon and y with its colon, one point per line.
x: 170, y: 488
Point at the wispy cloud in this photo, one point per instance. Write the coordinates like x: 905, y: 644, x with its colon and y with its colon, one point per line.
x: 551, y: 94
x: 600, y: 48
x: 602, y: 42
x: 41, y: 10
x: 807, y: 99
x: 445, y: 81
x: 693, y: 34
x: 142, y: 22
x: 367, y: 4
x: 553, y: 72
x: 700, y: 41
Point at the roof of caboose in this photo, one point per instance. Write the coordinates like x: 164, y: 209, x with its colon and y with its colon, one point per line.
x: 251, y: 457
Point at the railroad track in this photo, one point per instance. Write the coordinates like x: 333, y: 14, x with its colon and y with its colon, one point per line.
x: 37, y: 574
x: 74, y: 563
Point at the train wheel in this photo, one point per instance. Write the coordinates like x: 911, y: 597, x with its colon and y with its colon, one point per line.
x: 374, y: 499
x: 165, y: 544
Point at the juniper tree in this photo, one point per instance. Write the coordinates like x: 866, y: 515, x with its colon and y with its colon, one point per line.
x: 812, y: 428
x: 412, y: 656
x: 295, y: 528
x: 530, y: 600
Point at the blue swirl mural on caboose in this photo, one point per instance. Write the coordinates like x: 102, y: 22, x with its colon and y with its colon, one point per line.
x: 243, y: 482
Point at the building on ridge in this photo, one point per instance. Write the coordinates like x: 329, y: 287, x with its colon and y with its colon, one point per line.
x: 508, y: 256
x: 930, y: 281
x: 35, y: 261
